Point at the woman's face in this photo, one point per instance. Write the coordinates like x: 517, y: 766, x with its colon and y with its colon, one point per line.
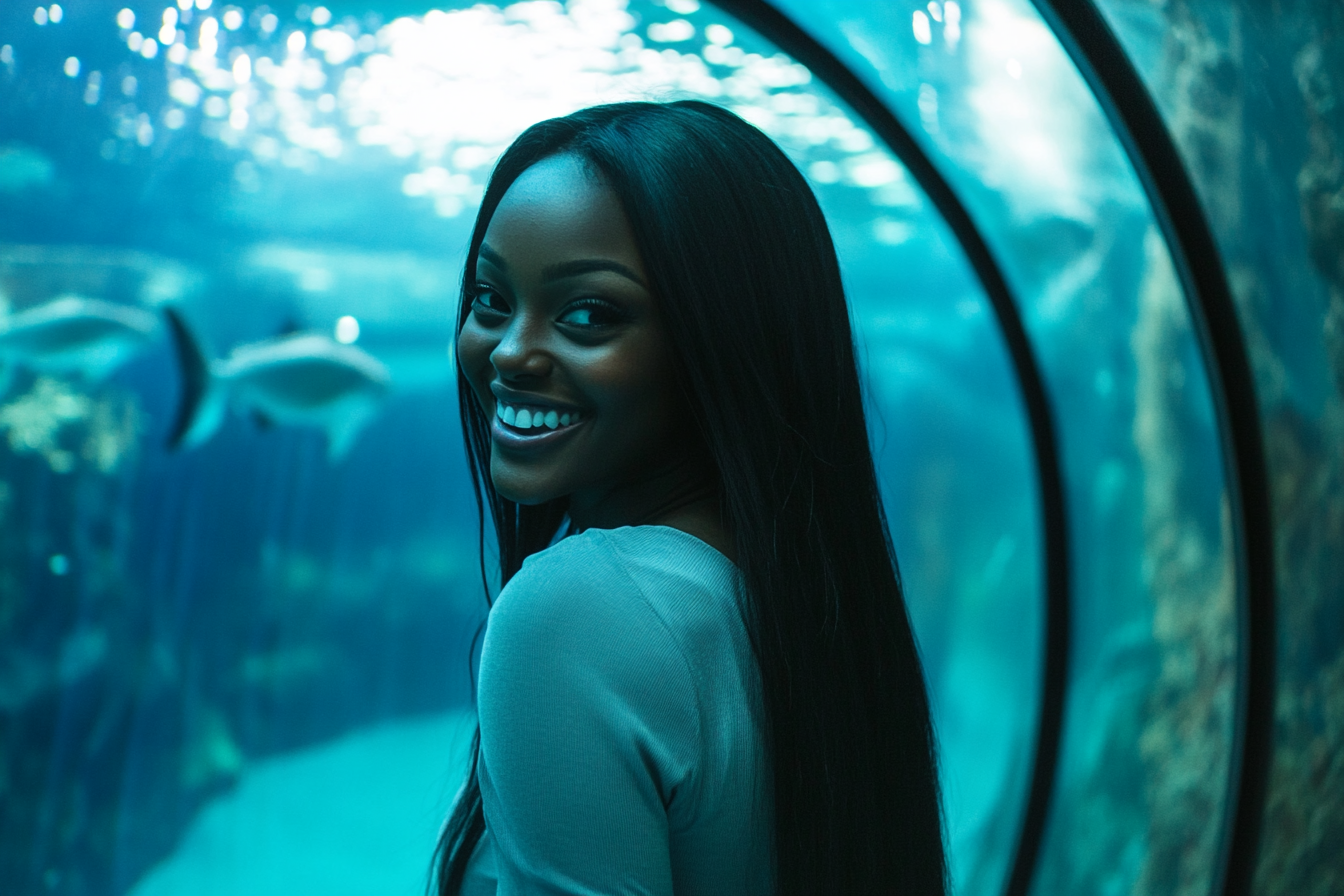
x: 564, y: 347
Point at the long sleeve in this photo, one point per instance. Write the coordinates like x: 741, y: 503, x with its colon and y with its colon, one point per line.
x: 589, y: 730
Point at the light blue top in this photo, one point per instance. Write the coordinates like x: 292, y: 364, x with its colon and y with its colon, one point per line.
x: 621, y: 742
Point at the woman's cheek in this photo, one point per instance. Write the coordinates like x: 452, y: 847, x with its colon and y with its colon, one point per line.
x: 473, y: 356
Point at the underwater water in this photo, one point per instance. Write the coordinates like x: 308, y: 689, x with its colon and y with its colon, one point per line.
x: 237, y: 614
x: 193, y: 635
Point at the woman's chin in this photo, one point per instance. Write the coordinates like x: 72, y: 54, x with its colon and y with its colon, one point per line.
x: 521, y: 489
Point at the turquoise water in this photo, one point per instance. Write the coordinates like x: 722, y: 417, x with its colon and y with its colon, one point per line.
x: 241, y: 666
x: 355, y: 816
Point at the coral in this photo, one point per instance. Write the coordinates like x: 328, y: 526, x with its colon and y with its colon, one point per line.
x: 36, y: 420
x: 1186, y: 737
x: 63, y: 425
x: 1244, y: 175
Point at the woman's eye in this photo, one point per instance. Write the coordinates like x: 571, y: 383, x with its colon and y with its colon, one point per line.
x: 488, y: 302
x: 591, y: 314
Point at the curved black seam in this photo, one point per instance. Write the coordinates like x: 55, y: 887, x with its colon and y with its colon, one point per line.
x: 1139, y: 124
x: 777, y: 27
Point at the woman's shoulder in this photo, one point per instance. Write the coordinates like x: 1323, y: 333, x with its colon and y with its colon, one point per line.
x: 598, y: 578
x: 578, y: 627
x: 628, y: 570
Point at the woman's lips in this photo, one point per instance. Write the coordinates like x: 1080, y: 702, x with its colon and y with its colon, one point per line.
x: 508, y: 436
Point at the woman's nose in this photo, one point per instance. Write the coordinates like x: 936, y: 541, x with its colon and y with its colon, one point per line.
x: 520, y: 352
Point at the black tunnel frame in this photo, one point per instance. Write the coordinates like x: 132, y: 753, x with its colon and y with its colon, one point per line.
x: 1137, y: 122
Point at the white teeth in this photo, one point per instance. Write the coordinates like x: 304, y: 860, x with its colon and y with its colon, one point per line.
x: 526, y: 418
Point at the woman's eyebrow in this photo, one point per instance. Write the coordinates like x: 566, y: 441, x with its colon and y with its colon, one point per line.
x: 493, y: 257
x: 588, y: 266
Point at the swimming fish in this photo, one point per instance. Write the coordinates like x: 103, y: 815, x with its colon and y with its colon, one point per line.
x: 70, y: 334
x: 300, y: 379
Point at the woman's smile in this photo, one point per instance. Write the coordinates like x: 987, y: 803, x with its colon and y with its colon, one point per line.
x: 564, y: 347
x: 525, y: 426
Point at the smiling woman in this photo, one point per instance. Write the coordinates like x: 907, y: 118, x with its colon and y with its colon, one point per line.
x: 709, y: 684
x: 566, y: 349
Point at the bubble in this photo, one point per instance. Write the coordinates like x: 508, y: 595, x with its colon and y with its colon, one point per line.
x: 920, y: 25
x: 718, y: 34
x: 55, y: 13
x: 321, y: 16
x: 824, y: 172
x: 671, y: 32
x: 129, y: 85
x: 71, y: 67
x: 126, y: 19
x: 203, y: 4
x: 296, y: 42
x: 150, y: 48
x: 7, y: 54
x: 174, y: 119
x: 347, y: 329
x: 59, y: 564
x: 242, y: 69
x: 177, y: 54
x: 890, y: 232
x: 185, y: 91
x: 134, y: 41
x: 40, y: 15
x: 207, y: 40
x: 269, y: 23
x: 232, y: 18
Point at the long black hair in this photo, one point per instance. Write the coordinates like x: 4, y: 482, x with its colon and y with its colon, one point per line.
x: 741, y: 263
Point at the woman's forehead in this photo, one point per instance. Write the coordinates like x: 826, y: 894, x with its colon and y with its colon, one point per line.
x: 559, y: 209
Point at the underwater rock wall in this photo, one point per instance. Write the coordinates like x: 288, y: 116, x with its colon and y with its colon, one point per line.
x: 1185, y: 740
x: 1239, y: 85
x: 1304, y: 822
x: 69, y: 664
x: 139, y: 680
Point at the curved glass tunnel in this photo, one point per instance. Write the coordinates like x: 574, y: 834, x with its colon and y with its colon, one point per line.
x: 243, y: 668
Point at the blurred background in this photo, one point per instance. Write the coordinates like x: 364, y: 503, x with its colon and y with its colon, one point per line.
x: 242, y: 666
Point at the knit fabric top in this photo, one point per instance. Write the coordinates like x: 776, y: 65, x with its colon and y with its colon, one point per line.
x: 621, y: 739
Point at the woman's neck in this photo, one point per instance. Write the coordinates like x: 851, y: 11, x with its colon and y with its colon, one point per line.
x: 682, y: 494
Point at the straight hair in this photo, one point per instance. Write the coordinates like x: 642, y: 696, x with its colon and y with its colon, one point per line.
x: 741, y: 264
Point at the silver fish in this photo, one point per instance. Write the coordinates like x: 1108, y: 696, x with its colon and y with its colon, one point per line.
x: 70, y: 334
x: 304, y: 379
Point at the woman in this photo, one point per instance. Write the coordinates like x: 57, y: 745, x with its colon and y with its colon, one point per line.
x: 710, y: 685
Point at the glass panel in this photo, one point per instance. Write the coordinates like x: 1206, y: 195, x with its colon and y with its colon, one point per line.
x: 1251, y: 92
x: 243, y: 667
x: 987, y: 89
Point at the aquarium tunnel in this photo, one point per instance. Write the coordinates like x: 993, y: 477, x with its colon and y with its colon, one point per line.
x: 1094, y: 251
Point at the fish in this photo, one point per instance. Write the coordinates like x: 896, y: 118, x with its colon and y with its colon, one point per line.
x: 74, y: 335
x: 297, y: 379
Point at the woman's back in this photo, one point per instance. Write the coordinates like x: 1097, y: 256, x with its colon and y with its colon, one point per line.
x: 621, y: 739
